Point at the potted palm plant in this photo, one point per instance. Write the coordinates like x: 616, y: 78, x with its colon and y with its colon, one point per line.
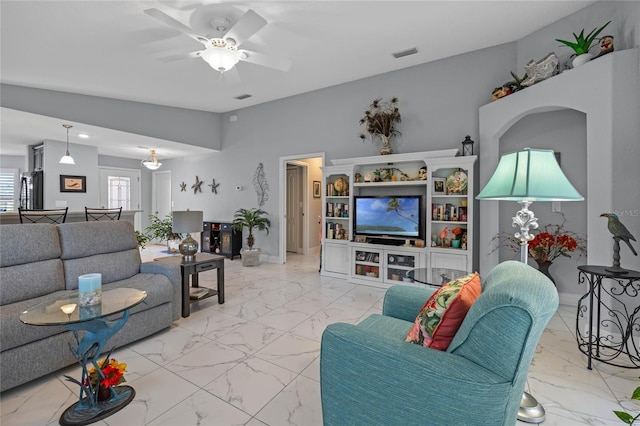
x: 250, y: 219
x: 582, y: 45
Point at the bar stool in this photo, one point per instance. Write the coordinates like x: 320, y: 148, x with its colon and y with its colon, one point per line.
x: 102, y: 214
x: 43, y: 216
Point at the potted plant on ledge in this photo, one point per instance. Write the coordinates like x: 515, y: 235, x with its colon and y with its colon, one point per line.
x: 250, y: 219
x: 582, y: 45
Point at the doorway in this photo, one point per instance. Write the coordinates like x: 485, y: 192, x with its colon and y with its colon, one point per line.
x: 296, y: 176
x: 161, y: 204
x: 299, y: 210
x: 121, y: 188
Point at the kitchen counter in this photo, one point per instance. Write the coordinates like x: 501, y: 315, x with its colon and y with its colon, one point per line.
x: 72, y: 216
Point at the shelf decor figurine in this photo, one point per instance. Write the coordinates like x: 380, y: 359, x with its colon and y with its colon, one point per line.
x: 380, y: 120
x: 582, y: 45
x: 620, y: 232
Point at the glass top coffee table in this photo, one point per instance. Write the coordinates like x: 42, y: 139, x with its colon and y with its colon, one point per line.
x: 435, y: 276
x: 64, y: 310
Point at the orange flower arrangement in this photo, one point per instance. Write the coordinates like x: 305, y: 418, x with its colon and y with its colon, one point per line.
x: 113, y: 374
x: 456, y: 232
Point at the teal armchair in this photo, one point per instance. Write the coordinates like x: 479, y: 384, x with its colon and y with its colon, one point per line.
x: 369, y: 375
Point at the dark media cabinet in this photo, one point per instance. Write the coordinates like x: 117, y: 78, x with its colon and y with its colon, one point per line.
x: 219, y: 238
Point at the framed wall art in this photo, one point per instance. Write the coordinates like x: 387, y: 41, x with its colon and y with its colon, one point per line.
x: 73, y: 183
x: 438, y: 186
x: 316, y: 189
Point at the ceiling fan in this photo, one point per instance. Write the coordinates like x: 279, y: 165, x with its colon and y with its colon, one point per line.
x: 223, y: 53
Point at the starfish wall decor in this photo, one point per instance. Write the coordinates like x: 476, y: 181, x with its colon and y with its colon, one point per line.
x: 183, y: 187
x: 197, y: 186
x: 214, y: 186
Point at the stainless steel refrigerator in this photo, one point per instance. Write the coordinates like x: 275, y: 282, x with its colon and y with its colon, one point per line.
x: 32, y: 190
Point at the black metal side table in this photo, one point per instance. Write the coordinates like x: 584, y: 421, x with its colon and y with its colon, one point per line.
x: 610, y: 315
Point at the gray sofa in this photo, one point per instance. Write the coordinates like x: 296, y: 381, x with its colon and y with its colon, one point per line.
x: 39, y: 262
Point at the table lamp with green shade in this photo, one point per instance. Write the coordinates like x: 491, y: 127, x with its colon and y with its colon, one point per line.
x: 524, y: 177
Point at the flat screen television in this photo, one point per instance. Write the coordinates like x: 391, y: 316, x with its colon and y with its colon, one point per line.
x: 389, y: 216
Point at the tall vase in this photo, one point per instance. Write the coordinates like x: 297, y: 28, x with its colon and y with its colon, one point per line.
x: 386, y: 145
x: 544, y: 268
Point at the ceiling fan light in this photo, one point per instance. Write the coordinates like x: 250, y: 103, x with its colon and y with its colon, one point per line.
x: 220, y: 58
x: 152, y: 162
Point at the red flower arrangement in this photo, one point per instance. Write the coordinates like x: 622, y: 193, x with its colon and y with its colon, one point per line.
x: 546, y: 247
x: 113, y: 374
x: 457, y: 232
x: 552, y: 242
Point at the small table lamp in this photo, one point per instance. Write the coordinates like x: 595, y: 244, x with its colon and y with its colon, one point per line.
x: 185, y: 222
x: 524, y: 177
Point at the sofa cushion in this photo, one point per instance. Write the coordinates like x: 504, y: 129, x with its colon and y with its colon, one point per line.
x: 24, y: 282
x: 82, y: 239
x: 113, y: 267
x: 28, y: 243
x: 441, y: 316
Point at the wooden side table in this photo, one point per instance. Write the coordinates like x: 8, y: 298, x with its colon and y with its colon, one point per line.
x: 202, y: 262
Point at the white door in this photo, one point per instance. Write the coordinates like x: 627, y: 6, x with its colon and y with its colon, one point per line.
x: 294, y: 208
x: 121, y: 188
x: 161, y: 204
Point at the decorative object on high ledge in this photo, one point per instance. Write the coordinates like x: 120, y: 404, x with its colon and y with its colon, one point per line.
x: 67, y: 158
x: 467, y: 146
x: 527, y: 176
x: 250, y: 219
x: 151, y: 162
x: 606, y: 45
x: 538, y: 71
x: 380, y: 120
x: 186, y: 222
x: 619, y: 232
x: 582, y: 45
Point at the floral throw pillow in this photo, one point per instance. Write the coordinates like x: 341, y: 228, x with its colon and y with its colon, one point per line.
x: 439, y: 319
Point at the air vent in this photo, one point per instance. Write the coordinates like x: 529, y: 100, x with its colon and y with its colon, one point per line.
x: 241, y: 97
x: 407, y: 52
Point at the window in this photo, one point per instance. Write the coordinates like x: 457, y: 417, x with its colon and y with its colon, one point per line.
x: 119, y: 192
x: 8, y: 190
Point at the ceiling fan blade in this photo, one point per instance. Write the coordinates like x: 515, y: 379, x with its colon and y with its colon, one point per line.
x: 168, y: 20
x: 180, y: 56
x: 249, y: 24
x: 281, y: 64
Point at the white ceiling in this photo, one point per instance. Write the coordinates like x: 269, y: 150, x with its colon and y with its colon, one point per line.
x: 110, y: 49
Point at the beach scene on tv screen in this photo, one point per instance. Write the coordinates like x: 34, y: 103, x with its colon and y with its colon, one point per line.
x: 388, y: 216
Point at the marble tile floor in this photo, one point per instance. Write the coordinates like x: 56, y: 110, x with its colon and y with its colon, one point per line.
x: 255, y: 360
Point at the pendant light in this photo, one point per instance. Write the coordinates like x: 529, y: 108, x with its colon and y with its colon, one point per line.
x: 67, y: 158
x: 152, y: 162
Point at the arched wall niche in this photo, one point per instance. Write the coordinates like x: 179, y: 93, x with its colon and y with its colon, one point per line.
x: 564, y: 131
x: 607, y: 90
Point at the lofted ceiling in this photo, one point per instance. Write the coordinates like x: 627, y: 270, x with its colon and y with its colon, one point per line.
x: 113, y: 49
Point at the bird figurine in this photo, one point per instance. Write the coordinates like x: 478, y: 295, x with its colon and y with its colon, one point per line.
x: 619, y: 231
x: 443, y: 235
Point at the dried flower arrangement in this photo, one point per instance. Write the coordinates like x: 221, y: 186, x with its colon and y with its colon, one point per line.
x: 380, y: 120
